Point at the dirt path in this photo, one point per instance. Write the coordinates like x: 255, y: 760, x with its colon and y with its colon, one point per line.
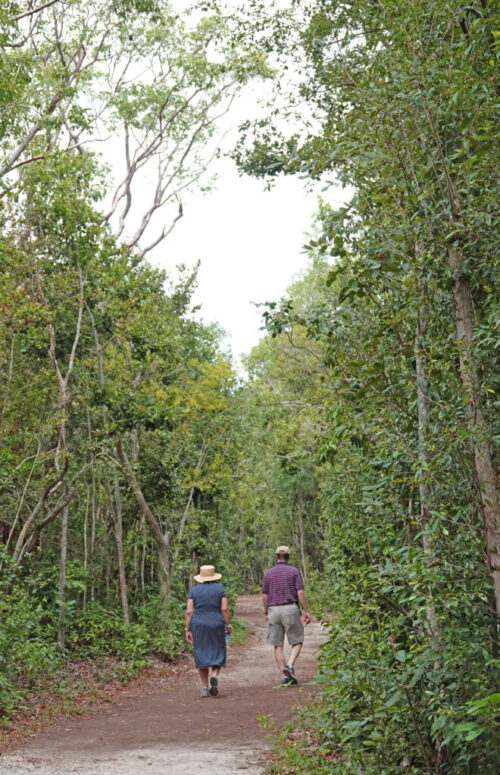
x: 173, y: 731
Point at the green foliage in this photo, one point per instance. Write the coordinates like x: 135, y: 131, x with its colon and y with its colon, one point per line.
x: 399, y: 681
x: 398, y: 101
x: 28, y: 654
x: 239, y: 633
x: 326, y: 446
x: 99, y: 350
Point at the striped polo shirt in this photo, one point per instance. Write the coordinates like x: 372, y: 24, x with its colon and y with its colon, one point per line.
x: 281, y: 584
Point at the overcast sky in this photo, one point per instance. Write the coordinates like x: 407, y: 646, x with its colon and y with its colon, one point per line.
x: 250, y: 244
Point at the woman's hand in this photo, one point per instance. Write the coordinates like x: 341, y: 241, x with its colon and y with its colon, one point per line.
x: 187, y: 622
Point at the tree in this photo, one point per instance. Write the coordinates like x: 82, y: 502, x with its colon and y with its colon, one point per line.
x: 82, y: 75
x: 402, y: 99
x: 77, y: 77
x: 414, y: 138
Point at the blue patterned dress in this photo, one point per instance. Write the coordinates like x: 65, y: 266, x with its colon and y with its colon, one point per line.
x: 207, y: 625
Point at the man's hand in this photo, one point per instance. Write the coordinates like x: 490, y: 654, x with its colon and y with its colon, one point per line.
x: 264, y: 603
x: 306, y: 618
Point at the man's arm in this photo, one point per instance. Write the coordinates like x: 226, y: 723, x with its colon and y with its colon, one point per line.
x: 265, y: 593
x: 305, y: 605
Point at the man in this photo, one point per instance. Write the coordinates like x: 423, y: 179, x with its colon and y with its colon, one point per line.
x: 282, y: 588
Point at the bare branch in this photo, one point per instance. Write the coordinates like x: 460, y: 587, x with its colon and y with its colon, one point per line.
x: 164, y: 232
x: 21, y: 148
x: 199, y: 464
x: 14, y: 523
x: 35, y: 10
x: 49, y: 490
x: 34, y: 539
x: 76, y: 338
x: 164, y: 184
x: 139, y: 496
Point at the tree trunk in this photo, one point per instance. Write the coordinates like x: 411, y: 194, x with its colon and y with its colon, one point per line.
x: 300, y: 514
x: 63, y: 556
x: 464, y: 319
x: 143, y: 561
x: 483, y: 464
x: 86, y: 547
x: 422, y: 384
x: 118, y: 526
x: 6, y: 389
x: 92, y: 542
x: 62, y: 400
x: 61, y: 625
x: 162, y: 539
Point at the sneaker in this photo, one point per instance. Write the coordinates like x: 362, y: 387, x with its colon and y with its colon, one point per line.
x: 289, y: 674
x: 285, y: 681
x: 214, y: 683
x: 205, y: 691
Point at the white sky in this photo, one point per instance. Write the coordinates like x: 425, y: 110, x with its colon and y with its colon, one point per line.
x: 249, y: 239
x: 249, y: 242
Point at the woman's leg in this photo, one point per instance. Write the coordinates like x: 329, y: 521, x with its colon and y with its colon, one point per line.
x: 203, y: 671
x: 214, y: 681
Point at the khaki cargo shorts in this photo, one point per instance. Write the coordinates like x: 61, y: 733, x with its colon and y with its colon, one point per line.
x: 284, y: 619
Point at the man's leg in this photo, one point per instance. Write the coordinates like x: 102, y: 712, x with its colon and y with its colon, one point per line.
x: 288, y: 670
x: 276, y: 636
x: 296, y: 649
x: 280, y: 657
x: 295, y: 634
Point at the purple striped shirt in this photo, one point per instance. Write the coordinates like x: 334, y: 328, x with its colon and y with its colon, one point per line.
x: 281, y: 584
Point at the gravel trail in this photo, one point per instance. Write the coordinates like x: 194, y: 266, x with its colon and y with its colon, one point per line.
x: 171, y: 730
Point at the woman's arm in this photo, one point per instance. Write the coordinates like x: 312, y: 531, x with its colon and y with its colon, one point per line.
x: 189, y: 616
x: 224, y: 607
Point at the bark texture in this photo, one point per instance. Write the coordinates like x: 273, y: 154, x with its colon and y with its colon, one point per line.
x: 422, y: 385
x: 483, y: 463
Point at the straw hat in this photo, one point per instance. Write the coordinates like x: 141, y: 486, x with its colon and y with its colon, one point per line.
x: 282, y: 550
x: 207, y: 573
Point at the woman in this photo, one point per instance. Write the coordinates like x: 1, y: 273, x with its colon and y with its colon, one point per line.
x: 207, y: 620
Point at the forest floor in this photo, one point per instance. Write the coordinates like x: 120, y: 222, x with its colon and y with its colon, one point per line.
x: 166, y: 728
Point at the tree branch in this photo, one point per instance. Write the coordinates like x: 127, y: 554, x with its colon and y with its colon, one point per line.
x: 49, y: 490
x: 141, y: 500
x: 34, y: 539
x: 35, y: 10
